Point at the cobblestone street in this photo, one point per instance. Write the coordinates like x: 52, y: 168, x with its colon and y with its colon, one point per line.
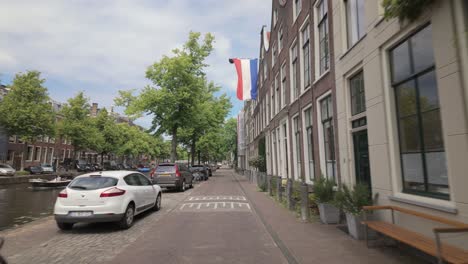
x: 42, y: 242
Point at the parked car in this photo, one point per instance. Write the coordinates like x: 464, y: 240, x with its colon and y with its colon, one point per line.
x: 173, y: 175
x: 213, y: 167
x: 47, y: 168
x: 34, y: 169
x: 81, y: 166
x: 218, y: 165
x: 110, y: 165
x: 200, y: 171
x: 144, y: 168
x: 97, y: 167
x: 108, y: 196
x: 7, y: 170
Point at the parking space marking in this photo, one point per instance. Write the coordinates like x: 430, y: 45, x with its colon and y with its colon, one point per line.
x: 217, y: 198
x: 215, y: 206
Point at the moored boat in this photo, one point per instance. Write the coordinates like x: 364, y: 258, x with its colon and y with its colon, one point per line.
x: 57, y: 182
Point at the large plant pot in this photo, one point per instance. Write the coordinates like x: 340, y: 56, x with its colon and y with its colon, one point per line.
x: 329, y: 214
x: 355, y: 228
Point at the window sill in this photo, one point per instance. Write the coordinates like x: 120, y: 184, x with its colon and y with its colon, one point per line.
x: 321, y: 76
x: 352, y: 47
x: 430, y: 203
x: 379, y: 21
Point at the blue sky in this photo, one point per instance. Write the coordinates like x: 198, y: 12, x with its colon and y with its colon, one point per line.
x: 100, y: 47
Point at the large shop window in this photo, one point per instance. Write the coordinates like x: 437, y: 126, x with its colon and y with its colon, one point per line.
x: 309, y: 142
x: 326, y: 108
x: 355, y: 18
x: 423, y: 161
x: 324, y: 53
x: 358, y: 99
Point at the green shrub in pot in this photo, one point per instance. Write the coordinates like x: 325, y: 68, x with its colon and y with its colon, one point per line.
x: 324, y: 192
x: 351, y: 201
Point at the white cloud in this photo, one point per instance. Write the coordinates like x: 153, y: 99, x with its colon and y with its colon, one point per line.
x: 106, y: 45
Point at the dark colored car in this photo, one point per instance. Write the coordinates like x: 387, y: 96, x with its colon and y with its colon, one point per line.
x: 172, y: 175
x: 34, y: 169
x: 110, y: 165
x: 200, y: 171
x: 97, y: 167
x: 82, y: 166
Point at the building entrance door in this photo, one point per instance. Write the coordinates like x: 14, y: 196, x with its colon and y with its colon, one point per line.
x: 361, y: 158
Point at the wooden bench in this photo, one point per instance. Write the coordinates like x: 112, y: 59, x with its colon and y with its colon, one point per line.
x: 431, y: 246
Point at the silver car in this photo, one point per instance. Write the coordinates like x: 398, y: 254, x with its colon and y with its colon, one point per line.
x: 7, y: 170
x: 47, y: 168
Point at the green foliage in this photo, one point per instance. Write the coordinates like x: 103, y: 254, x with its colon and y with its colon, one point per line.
x: 22, y: 173
x: 259, y: 163
x: 76, y: 124
x: 324, y: 190
x: 405, y: 9
x: 25, y: 111
x: 178, y: 84
x: 352, y: 200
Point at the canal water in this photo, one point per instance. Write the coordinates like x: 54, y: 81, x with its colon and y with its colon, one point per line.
x: 20, y: 204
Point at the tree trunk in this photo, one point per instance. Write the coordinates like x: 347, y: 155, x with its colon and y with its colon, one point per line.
x: 174, y: 145
x: 192, y: 152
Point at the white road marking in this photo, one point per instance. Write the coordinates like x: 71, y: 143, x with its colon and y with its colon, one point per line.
x: 217, y: 198
x: 214, y: 206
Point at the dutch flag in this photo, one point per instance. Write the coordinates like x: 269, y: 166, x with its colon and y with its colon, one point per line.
x: 246, y: 78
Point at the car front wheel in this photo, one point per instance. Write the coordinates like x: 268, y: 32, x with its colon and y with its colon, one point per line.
x: 65, y: 226
x: 127, y: 219
x: 157, y: 204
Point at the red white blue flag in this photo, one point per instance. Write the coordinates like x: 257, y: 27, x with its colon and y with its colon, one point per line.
x: 246, y: 78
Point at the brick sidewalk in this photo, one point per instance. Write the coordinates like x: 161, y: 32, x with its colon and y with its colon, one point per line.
x: 316, y: 242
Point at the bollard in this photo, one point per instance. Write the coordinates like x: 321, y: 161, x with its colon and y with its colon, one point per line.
x: 269, y: 187
x: 289, y: 190
x: 304, y: 202
x: 279, y: 190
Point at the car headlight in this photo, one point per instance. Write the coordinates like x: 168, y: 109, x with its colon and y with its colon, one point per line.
x: 3, y: 171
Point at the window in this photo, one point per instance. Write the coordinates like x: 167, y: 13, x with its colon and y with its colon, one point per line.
x: 283, y: 85
x: 326, y: 109
x: 268, y: 107
x: 306, y: 55
x: 51, y: 153
x: 46, y: 139
x: 275, y: 17
x: 355, y: 18
x: 422, y: 151
x: 12, y: 139
x: 37, y: 154
x: 273, y: 113
x: 274, y: 54
x: 322, y: 24
x: 297, y: 150
x: 11, y: 155
x: 294, y: 82
x: 297, y: 8
x: 358, y: 100
x: 280, y: 39
x: 309, y: 143
x: 62, y: 157
x: 275, y: 160
x: 52, y: 140
x: 285, y: 151
x: 277, y: 103
x: 265, y: 69
x: 29, y: 153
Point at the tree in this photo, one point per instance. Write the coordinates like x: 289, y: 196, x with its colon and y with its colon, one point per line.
x: 230, y: 138
x: 26, y: 110
x: 177, y: 82
x: 111, y: 136
x: 76, y: 125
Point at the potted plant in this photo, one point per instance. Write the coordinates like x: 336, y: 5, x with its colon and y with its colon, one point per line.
x: 324, y: 191
x: 351, y: 202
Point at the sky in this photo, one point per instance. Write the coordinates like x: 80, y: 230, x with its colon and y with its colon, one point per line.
x: 103, y: 46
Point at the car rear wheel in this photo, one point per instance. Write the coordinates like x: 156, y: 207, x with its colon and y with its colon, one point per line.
x: 65, y: 226
x: 157, y: 204
x: 183, y: 187
x: 127, y: 219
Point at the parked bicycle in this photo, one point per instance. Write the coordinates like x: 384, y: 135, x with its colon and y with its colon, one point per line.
x: 2, y: 259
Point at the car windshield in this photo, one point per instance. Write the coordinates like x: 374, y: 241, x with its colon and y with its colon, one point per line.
x: 166, y: 168
x: 4, y: 166
x: 197, y: 166
x: 93, y: 183
x: 46, y: 165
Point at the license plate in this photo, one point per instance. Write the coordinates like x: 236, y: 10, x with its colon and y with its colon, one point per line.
x: 164, y: 175
x: 81, y: 214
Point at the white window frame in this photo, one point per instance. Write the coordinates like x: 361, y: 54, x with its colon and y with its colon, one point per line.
x: 323, y: 163
x: 283, y: 79
x: 46, y: 150
x: 274, y: 55
x: 51, y: 155
x: 295, y: 11
x: 304, y: 138
x: 31, y: 154
x: 35, y: 153
x: 278, y: 93
x: 296, y: 156
x: 273, y: 99
x: 275, y: 17
x: 302, y: 86
x: 350, y: 43
x: 318, y: 75
x: 280, y: 39
x: 298, y: 68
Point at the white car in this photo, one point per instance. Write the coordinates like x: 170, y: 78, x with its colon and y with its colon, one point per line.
x: 47, y: 168
x: 106, y: 196
x: 6, y: 170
